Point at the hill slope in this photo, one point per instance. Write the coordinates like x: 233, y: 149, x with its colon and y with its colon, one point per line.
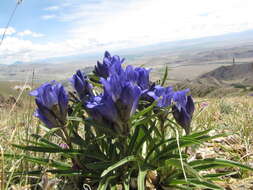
x: 225, y: 80
x: 232, y: 72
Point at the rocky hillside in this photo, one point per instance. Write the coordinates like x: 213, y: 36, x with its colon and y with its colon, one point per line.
x: 242, y: 72
x: 225, y: 80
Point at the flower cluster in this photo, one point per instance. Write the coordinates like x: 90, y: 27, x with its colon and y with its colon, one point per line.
x: 114, y: 106
x: 104, y: 69
x: 81, y: 85
x: 52, y: 102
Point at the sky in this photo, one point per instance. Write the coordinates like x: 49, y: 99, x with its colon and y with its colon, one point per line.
x: 43, y: 29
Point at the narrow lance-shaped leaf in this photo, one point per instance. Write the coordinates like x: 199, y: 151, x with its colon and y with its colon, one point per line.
x: 118, y: 164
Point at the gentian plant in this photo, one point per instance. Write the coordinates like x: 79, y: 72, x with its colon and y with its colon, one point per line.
x: 120, y: 129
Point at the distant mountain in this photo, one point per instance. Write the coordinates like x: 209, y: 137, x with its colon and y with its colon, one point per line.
x: 211, y: 41
x: 18, y: 63
x: 28, y: 63
x: 185, y: 58
x: 225, y: 40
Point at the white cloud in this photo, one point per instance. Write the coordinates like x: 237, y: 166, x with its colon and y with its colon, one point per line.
x: 9, y: 31
x: 111, y: 24
x: 86, y: 12
x: 47, y: 17
x: 16, y: 49
x: 30, y: 33
x: 52, y: 8
x: 151, y: 21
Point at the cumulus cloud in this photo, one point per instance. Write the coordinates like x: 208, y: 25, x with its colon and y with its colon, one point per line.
x: 17, y: 49
x: 144, y: 22
x: 112, y: 24
x: 30, y: 33
x: 9, y: 31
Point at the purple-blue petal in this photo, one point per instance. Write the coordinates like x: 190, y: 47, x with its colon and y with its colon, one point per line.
x: 52, y: 102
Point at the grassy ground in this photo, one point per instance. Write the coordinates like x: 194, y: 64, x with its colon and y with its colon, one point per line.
x: 6, y: 88
x: 233, y: 115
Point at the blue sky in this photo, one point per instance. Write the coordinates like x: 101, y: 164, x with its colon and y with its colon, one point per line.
x: 54, y: 28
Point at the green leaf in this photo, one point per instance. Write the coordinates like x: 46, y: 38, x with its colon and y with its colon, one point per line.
x: 172, y: 145
x: 139, y: 141
x: 221, y: 162
x: 48, y: 149
x: 75, y: 118
x: 112, y: 151
x: 118, y: 164
x: 141, y: 178
x: 52, y: 131
x: 207, y: 166
x: 186, y: 141
x: 92, y: 152
x: 105, y: 182
x: 144, y: 111
x: 41, y: 161
x: 196, y: 183
x: 99, y: 165
x: 35, y: 143
x: 143, y: 120
x: 189, y: 170
x: 195, y: 135
x: 68, y: 172
x: 183, y: 187
x: 42, y: 139
x: 165, y: 76
x: 101, y: 127
x: 133, y: 140
x: 127, y: 179
x: 217, y: 175
x: 167, y: 155
x: 204, y: 184
x: 76, y: 139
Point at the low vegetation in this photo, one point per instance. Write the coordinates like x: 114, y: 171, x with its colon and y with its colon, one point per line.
x: 232, y: 115
x: 148, y: 148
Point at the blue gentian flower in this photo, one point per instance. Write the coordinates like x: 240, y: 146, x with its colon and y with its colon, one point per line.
x: 131, y: 74
x: 180, y: 97
x: 118, y: 102
x: 163, y: 95
x: 143, y: 78
x: 111, y: 64
x: 138, y: 75
x: 103, y: 110
x: 183, y: 109
x: 81, y: 85
x: 123, y: 92
x: 52, y: 101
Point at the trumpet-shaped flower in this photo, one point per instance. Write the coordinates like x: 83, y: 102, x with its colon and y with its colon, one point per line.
x: 163, y: 95
x: 81, y: 85
x: 52, y: 102
x: 118, y: 102
x: 123, y: 92
x: 102, y: 108
x: 111, y: 64
x: 143, y: 78
x: 139, y: 76
x: 183, y: 110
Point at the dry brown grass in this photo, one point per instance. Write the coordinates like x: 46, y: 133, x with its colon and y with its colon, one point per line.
x: 234, y: 114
